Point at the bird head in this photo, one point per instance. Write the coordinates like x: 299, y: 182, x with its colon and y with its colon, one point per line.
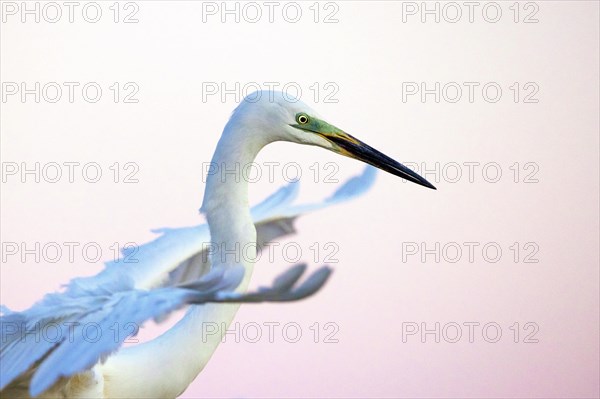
x: 277, y: 116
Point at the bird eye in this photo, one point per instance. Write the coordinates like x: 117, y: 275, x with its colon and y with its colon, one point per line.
x: 302, y: 119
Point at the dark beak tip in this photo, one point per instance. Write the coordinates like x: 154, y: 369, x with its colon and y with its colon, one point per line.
x: 431, y: 186
x: 370, y: 155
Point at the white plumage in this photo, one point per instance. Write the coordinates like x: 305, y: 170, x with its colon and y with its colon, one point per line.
x: 173, y: 271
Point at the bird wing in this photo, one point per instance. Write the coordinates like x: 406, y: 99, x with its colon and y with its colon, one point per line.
x: 122, y: 294
x: 198, y: 264
x: 87, y: 327
x: 182, y: 248
x: 273, y: 218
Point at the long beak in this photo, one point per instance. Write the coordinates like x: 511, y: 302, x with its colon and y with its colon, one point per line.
x: 354, y: 148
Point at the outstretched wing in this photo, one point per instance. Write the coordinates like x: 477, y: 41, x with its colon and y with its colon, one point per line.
x: 175, y: 250
x: 81, y: 339
x: 273, y: 218
x: 124, y: 293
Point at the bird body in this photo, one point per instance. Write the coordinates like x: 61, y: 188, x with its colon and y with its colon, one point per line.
x: 175, y: 270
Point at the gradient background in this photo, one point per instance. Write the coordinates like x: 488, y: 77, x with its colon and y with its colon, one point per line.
x: 367, y: 54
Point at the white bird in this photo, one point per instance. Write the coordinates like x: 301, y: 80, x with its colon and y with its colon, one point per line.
x: 177, y: 269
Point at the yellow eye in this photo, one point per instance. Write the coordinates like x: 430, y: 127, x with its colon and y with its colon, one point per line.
x: 302, y: 119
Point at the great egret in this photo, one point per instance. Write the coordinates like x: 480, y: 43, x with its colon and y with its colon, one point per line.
x: 173, y: 271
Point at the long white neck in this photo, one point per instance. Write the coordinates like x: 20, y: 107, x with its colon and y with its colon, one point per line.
x: 168, y: 364
x: 225, y: 202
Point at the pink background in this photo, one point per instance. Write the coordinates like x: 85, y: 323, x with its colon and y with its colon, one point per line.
x: 368, y: 55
